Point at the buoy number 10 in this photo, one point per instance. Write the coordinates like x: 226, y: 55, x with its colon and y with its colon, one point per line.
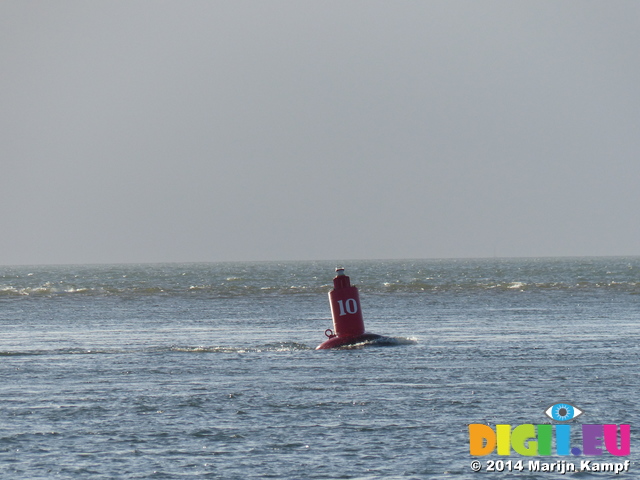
x: 349, y: 306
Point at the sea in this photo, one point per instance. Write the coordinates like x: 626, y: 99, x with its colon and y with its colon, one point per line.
x: 209, y: 370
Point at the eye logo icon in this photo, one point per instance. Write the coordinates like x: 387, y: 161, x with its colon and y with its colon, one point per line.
x: 563, y: 412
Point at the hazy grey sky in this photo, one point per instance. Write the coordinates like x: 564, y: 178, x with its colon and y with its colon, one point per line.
x: 164, y: 131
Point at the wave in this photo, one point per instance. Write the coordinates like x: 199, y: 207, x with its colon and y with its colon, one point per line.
x: 381, y: 342
x: 269, y: 347
x: 417, y: 287
x: 230, y: 280
x: 274, y: 347
x: 218, y: 291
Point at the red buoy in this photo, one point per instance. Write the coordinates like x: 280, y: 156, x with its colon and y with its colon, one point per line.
x: 348, y: 325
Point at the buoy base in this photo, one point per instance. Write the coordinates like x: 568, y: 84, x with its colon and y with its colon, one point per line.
x: 337, y: 342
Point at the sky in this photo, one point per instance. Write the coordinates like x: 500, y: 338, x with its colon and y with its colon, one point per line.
x: 136, y: 131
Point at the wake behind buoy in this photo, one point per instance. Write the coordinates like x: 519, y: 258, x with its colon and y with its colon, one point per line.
x: 348, y: 325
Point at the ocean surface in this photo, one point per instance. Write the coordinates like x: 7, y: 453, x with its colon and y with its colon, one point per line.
x: 192, y: 371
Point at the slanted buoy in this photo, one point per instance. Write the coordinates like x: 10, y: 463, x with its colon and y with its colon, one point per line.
x: 348, y: 325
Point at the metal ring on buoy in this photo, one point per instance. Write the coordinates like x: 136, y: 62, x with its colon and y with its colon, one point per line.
x: 329, y: 333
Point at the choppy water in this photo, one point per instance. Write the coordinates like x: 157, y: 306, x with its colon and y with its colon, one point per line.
x: 209, y: 370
